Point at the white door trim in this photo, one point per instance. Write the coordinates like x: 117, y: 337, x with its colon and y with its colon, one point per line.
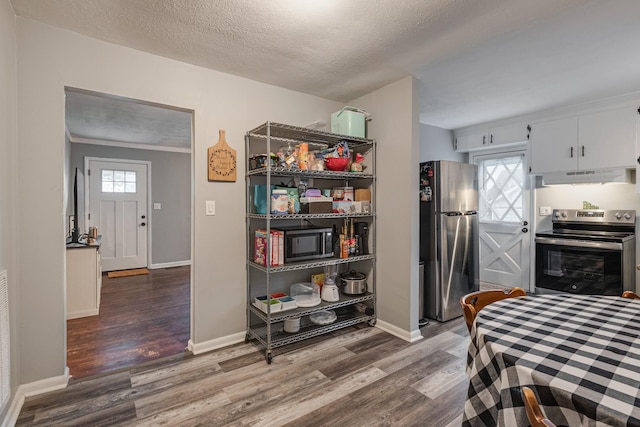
x: 88, y: 194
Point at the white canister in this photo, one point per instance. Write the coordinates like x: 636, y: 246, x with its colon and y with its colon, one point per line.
x: 279, y: 202
x: 292, y: 325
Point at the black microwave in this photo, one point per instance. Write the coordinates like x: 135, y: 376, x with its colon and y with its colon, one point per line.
x: 303, y: 244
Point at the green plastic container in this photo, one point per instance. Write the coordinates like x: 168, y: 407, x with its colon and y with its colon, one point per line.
x: 350, y: 121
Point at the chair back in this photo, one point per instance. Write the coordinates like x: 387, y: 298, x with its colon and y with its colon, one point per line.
x: 475, y: 301
x: 534, y: 412
x: 629, y: 294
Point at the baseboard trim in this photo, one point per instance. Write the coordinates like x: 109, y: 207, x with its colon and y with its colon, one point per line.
x: 32, y: 389
x: 169, y: 264
x: 203, y: 347
x: 412, y: 336
x: 83, y: 313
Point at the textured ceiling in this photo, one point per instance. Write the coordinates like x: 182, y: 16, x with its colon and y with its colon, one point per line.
x: 476, y: 60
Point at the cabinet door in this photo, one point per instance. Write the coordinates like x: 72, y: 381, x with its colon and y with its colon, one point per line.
x: 81, y: 283
x: 508, y: 134
x: 475, y: 141
x: 607, y: 139
x: 553, y: 146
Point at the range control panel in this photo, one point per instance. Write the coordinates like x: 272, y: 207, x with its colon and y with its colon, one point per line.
x: 599, y: 216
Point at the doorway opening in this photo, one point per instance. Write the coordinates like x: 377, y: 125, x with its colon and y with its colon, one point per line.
x: 138, y: 175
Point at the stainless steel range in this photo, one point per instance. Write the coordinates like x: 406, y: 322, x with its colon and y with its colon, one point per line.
x: 587, y: 252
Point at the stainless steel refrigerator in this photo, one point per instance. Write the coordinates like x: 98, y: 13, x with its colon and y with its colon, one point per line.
x: 449, y: 243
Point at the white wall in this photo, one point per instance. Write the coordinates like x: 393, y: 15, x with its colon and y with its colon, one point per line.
x: 395, y: 127
x: 8, y: 149
x: 605, y: 196
x: 437, y: 144
x: 49, y: 59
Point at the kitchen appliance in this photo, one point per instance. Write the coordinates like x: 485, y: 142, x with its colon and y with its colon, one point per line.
x: 590, y: 252
x: 329, y: 291
x: 353, y: 283
x: 362, y: 231
x: 449, y: 242
x: 305, y: 243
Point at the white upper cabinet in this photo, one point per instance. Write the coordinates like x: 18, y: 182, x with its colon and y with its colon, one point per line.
x: 552, y: 146
x: 472, y: 142
x: 510, y: 134
x: 606, y: 139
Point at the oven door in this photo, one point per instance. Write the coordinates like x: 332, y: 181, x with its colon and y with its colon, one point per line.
x: 579, y: 266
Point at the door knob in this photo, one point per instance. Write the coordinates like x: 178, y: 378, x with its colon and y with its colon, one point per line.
x: 525, y: 230
x: 525, y: 223
x: 143, y: 224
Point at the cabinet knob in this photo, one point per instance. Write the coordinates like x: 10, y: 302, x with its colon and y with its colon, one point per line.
x: 484, y: 139
x: 525, y: 230
x: 572, y: 152
x: 491, y: 140
x: 143, y: 224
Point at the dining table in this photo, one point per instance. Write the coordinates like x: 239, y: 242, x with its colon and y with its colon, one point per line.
x: 579, y: 353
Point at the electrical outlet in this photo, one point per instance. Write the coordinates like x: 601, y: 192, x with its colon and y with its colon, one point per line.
x: 157, y: 206
x: 544, y: 210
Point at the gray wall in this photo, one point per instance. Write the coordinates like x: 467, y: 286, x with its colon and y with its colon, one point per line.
x: 437, y: 144
x: 50, y: 59
x: 8, y: 171
x: 170, y: 186
x: 395, y: 127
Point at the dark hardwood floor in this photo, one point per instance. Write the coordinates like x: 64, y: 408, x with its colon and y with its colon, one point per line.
x: 359, y: 376
x: 142, y: 318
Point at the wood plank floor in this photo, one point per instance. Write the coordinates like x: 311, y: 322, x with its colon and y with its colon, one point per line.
x: 142, y: 318
x: 358, y: 376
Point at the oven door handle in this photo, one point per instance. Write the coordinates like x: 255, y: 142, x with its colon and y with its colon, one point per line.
x: 579, y: 243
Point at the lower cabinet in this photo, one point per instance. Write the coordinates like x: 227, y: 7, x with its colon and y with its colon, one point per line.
x: 84, y: 281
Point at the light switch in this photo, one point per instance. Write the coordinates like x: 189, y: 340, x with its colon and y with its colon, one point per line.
x: 157, y: 206
x: 544, y: 210
x: 211, y: 207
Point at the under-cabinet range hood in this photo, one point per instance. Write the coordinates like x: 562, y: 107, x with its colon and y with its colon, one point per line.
x: 596, y: 176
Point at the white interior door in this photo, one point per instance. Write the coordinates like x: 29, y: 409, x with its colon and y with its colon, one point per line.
x: 504, y: 219
x: 118, y: 208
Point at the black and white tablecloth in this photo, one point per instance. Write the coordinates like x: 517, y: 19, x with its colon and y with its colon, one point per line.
x: 580, y: 353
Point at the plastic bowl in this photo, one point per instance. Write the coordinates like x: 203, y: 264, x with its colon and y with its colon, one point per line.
x: 337, y: 163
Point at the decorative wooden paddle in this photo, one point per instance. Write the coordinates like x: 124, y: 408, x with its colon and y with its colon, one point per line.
x: 222, y: 160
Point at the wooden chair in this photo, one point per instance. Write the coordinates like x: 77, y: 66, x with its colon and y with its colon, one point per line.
x: 629, y: 294
x: 475, y: 301
x: 534, y: 412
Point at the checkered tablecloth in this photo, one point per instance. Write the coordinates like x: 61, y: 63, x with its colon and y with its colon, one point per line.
x: 580, y: 353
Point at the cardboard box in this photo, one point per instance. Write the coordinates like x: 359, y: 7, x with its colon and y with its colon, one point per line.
x: 276, y: 250
x: 363, y: 194
x: 343, y: 207
x: 343, y: 193
x: 362, y: 207
x: 315, y: 205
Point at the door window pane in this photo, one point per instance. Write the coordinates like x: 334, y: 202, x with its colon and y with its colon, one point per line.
x: 117, y: 181
x: 501, y: 189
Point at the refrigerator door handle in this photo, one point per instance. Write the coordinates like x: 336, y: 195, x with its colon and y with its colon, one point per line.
x: 471, y: 213
x: 453, y: 213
